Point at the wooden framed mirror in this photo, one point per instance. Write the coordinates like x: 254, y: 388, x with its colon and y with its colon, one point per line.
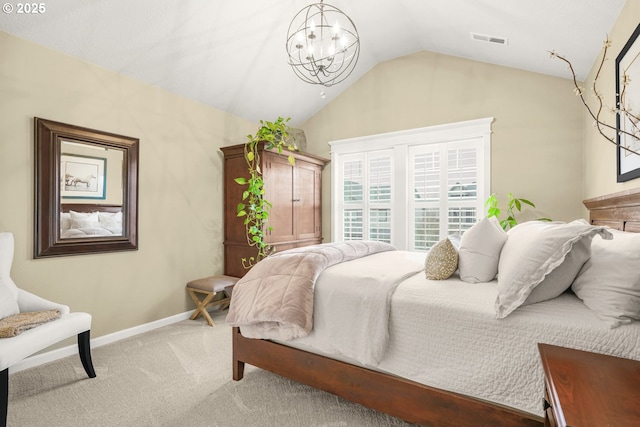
x: 86, y: 190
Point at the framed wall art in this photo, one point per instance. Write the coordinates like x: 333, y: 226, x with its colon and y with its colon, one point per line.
x: 628, y: 109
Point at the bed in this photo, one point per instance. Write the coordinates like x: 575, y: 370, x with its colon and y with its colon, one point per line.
x: 492, y: 378
x: 79, y: 221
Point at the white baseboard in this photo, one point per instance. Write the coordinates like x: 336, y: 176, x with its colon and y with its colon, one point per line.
x: 50, y: 356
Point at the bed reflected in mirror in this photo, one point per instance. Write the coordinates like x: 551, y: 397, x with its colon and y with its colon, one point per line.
x: 86, y: 190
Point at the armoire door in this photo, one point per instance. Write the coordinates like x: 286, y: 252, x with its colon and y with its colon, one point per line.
x: 307, y: 200
x: 278, y: 176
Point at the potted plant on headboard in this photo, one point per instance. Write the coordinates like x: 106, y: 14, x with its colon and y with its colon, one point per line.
x: 254, y: 208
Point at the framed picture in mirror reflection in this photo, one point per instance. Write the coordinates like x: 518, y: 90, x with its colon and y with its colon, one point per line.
x: 82, y: 177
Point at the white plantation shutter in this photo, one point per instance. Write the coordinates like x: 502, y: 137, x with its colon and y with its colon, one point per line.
x: 411, y: 188
x: 426, y: 175
x: 353, y: 224
x: 379, y: 187
x: 365, y: 202
x: 353, y: 199
x: 444, y: 178
x: 462, y: 182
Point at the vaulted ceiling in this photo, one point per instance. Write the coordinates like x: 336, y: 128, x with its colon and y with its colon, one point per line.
x: 230, y: 54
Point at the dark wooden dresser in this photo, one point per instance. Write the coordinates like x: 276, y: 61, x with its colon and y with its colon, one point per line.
x: 587, y: 389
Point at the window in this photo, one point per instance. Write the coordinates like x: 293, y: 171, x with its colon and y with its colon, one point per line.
x: 411, y: 188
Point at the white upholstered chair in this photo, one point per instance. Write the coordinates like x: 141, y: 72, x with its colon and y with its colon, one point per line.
x: 15, y: 349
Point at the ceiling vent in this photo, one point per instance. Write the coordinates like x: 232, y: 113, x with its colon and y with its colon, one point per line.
x: 489, y: 39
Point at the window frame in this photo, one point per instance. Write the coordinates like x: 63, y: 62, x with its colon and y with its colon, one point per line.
x: 400, y: 144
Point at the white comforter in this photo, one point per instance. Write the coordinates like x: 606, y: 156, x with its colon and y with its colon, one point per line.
x: 352, y: 304
x: 274, y: 300
x: 445, y: 334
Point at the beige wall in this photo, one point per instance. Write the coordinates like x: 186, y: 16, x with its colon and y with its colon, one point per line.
x: 599, y: 155
x: 180, y: 206
x: 537, y: 133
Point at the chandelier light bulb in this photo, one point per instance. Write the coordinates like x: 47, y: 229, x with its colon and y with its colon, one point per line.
x: 323, y: 44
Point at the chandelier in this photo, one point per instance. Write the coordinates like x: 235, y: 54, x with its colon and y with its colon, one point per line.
x: 323, y: 44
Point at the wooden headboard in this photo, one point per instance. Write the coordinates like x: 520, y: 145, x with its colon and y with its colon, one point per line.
x: 86, y: 207
x: 618, y: 210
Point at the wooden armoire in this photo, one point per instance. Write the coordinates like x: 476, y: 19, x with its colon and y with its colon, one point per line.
x: 295, y: 195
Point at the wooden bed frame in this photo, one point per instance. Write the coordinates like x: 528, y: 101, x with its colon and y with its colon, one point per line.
x: 399, y: 397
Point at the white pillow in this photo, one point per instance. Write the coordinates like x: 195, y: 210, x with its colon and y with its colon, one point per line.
x: 84, y: 219
x: 455, y: 240
x: 533, y: 252
x: 559, y: 280
x: 8, y: 289
x: 110, y: 219
x: 82, y: 223
x: 609, y: 282
x: 65, y: 221
x: 479, y: 252
x: 89, y: 216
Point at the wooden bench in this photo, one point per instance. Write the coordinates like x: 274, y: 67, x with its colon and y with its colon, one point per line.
x: 212, y: 291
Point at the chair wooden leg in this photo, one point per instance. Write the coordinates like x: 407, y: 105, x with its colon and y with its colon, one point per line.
x: 84, y: 348
x: 4, y: 396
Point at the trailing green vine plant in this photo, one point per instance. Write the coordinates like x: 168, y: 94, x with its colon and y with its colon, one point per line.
x: 254, y: 208
x: 513, y: 204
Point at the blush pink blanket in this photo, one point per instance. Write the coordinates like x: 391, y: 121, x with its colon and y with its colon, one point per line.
x: 274, y: 300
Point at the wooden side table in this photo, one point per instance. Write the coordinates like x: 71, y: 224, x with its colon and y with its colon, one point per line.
x: 589, y: 389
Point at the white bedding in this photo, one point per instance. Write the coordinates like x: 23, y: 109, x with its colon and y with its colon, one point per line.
x: 74, y: 233
x: 360, y: 291
x: 74, y: 225
x: 274, y: 300
x: 445, y: 334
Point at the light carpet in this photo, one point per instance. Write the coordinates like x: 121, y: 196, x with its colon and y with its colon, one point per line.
x: 177, y: 375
